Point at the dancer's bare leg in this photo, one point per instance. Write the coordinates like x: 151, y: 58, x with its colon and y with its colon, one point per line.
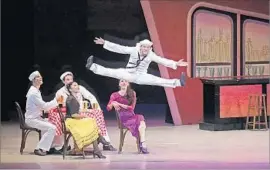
x: 142, y: 128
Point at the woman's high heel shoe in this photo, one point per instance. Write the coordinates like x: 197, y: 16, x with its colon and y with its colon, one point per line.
x: 143, y: 149
x: 102, y: 140
x: 99, y: 155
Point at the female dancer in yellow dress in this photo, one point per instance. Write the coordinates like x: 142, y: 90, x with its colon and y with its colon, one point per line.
x: 84, y: 130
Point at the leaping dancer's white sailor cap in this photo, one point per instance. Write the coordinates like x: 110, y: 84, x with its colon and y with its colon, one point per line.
x: 146, y: 42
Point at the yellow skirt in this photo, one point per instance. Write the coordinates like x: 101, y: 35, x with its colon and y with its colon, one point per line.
x: 84, y: 131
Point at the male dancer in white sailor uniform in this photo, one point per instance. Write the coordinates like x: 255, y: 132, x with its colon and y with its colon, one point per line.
x: 136, y: 70
x: 34, y: 107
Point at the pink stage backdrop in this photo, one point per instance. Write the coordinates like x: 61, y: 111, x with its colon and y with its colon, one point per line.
x: 234, y: 100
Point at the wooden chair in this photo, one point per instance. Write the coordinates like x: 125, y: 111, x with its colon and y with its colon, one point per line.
x: 25, y: 129
x: 123, y: 132
x: 257, y: 103
x: 67, y: 135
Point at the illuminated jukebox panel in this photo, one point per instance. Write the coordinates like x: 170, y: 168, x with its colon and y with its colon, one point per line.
x: 255, y: 50
x: 213, y: 43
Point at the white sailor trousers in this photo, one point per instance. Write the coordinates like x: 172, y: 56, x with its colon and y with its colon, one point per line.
x: 48, y: 131
x: 134, y: 77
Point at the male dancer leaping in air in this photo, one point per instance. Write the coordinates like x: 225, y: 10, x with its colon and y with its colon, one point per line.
x: 136, y: 70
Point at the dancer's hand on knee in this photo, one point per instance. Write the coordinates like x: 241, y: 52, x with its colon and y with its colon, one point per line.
x: 116, y: 105
x: 123, y: 106
x: 99, y: 41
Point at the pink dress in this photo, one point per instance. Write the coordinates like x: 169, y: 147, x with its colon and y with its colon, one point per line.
x: 127, y: 116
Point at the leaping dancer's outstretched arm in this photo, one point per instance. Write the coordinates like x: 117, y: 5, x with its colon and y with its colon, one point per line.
x: 114, y: 47
x: 167, y: 62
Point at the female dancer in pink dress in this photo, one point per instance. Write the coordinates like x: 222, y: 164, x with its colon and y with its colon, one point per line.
x: 124, y: 101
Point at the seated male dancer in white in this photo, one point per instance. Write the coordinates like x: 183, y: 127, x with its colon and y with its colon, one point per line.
x: 33, y: 115
x: 67, y: 78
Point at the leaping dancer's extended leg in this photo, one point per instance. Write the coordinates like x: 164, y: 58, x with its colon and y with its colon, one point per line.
x: 119, y: 73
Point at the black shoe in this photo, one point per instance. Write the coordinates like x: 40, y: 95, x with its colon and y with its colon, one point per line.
x: 109, y: 148
x: 102, y: 140
x: 183, y: 79
x: 58, y: 152
x: 51, y: 151
x: 99, y: 155
x: 39, y: 152
x: 89, y: 62
x: 68, y: 148
x: 54, y: 151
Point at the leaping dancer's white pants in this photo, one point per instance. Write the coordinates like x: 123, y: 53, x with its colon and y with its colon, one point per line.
x: 134, y: 77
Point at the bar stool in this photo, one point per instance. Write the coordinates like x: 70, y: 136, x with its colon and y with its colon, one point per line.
x: 257, y: 102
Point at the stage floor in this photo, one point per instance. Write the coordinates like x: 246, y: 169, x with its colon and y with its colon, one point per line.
x: 171, y: 147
